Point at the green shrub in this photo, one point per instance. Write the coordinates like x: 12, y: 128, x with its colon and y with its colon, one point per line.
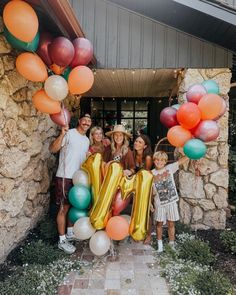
x: 228, y: 239
x: 38, y: 279
x: 210, y: 282
x: 38, y: 252
x: 196, y: 250
x: 182, y: 228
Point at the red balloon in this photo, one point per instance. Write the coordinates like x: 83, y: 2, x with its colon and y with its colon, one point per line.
x: 62, y: 118
x: 61, y: 51
x: 195, y: 93
x: 83, y: 52
x: 188, y: 115
x: 44, y: 41
x: 207, y: 130
x: 168, y: 117
x: 118, y: 204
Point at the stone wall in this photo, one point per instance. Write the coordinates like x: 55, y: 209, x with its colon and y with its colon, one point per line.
x: 203, y: 184
x: 25, y: 161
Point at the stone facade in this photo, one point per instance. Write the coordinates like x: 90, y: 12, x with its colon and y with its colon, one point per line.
x: 203, y: 184
x: 25, y: 161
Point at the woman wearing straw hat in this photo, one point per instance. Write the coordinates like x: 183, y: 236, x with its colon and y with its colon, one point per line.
x: 119, y: 149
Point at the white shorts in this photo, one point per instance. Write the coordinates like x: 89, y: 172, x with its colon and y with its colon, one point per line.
x: 168, y: 212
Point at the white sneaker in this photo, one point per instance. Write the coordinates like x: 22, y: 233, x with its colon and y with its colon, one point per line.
x: 159, y: 246
x: 71, y: 238
x: 66, y: 247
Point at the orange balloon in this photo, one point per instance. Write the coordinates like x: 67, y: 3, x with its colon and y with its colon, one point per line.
x: 188, y: 115
x: 31, y: 67
x: 210, y: 106
x: 57, y: 69
x: 21, y: 20
x: 117, y: 228
x: 80, y: 80
x: 45, y: 104
x: 178, y: 136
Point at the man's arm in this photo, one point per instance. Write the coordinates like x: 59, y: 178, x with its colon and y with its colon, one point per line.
x: 55, y: 146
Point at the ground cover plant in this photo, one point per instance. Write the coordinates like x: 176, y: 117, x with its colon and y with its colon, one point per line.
x: 36, y: 266
x: 197, y: 265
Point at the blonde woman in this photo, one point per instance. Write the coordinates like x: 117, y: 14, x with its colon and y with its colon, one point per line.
x: 119, y: 149
x: 97, y: 141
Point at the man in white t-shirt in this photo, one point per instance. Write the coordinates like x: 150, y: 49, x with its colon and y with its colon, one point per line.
x: 73, y: 145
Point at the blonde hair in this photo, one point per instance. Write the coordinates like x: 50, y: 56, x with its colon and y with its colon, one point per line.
x: 160, y: 155
x: 92, y: 131
x: 124, y: 148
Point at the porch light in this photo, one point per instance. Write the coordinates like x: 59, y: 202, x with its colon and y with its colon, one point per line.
x: 133, y: 72
x: 154, y: 72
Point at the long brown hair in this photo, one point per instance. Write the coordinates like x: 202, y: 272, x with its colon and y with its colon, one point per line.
x: 147, y: 150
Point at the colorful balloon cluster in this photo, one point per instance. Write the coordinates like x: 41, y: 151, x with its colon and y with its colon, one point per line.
x: 194, y: 122
x: 57, y: 62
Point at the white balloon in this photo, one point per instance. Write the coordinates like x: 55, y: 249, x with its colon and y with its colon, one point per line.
x: 81, y: 177
x: 127, y: 217
x: 56, y: 87
x: 83, y: 228
x: 99, y: 243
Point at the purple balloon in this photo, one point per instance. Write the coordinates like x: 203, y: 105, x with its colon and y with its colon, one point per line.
x: 61, y: 51
x: 83, y: 52
x: 62, y: 118
x: 44, y: 42
x: 195, y: 93
x: 207, y: 130
x: 168, y: 117
x: 223, y: 110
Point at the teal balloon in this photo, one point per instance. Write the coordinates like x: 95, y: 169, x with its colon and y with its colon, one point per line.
x: 74, y: 214
x: 21, y: 45
x: 211, y: 86
x: 66, y: 73
x: 195, y: 149
x: 80, y: 196
x: 176, y: 106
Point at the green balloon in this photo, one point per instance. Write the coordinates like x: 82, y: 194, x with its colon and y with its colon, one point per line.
x: 195, y: 149
x: 21, y: 45
x: 80, y: 197
x: 176, y: 106
x: 211, y: 86
x: 66, y: 73
x: 74, y: 214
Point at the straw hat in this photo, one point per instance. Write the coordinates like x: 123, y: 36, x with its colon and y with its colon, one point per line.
x: 119, y: 128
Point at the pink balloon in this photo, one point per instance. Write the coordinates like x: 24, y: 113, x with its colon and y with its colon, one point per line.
x: 168, y: 117
x: 118, y: 204
x: 195, y: 93
x: 62, y: 118
x: 44, y: 41
x: 83, y: 52
x: 207, y: 130
x: 223, y: 110
x: 61, y: 51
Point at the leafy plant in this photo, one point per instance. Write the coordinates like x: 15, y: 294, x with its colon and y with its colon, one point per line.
x: 37, y: 252
x: 228, y: 239
x: 210, y: 282
x: 182, y: 228
x: 196, y: 250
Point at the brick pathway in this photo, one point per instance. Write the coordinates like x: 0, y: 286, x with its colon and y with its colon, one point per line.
x: 131, y: 270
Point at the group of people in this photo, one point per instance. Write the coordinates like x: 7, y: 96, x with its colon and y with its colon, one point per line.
x: 75, y: 147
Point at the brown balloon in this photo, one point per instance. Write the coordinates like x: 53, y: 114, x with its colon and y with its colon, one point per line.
x: 62, y: 118
x: 119, y: 204
x: 83, y: 52
x: 44, y: 42
x: 61, y: 51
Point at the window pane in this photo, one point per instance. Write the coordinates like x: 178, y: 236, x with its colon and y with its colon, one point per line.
x: 141, y: 105
x: 128, y: 123
x: 127, y: 105
x: 127, y: 114
x: 141, y: 114
x: 140, y: 126
x: 110, y: 105
x: 96, y: 108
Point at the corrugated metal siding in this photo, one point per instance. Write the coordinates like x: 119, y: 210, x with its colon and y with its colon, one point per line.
x: 123, y: 39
